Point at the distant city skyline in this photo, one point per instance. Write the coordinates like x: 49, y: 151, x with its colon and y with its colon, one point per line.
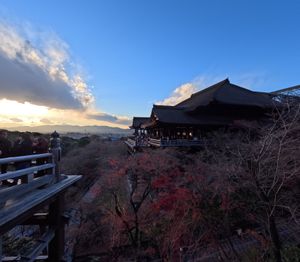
x: 102, y: 62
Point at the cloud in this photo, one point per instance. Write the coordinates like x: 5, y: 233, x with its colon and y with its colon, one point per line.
x: 36, y: 68
x: 179, y: 94
x: 110, y: 118
x: 184, y: 91
x: 248, y: 80
x: 46, y: 121
x: 40, y: 83
x: 14, y: 119
x: 36, y: 115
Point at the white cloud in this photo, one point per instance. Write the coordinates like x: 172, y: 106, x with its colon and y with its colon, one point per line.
x: 179, y: 94
x: 33, y: 68
x: 184, y: 91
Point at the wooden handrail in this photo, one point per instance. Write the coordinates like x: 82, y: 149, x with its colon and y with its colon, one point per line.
x: 8, y: 160
x: 25, y: 171
x: 30, y: 177
x: 174, y: 142
x: 22, y: 189
x: 155, y: 142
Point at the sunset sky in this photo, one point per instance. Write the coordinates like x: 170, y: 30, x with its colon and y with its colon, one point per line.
x: 102, y: 62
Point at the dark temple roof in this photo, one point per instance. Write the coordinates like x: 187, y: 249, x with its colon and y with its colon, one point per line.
x: 222, y: 93
x: 138, y: 121
x: 226, y: 93
x: 175, y: 115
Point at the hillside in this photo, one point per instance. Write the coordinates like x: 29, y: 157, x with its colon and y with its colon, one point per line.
x: 72, y: 129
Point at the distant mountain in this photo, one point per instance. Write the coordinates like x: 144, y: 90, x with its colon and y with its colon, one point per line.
x: 63, y: 129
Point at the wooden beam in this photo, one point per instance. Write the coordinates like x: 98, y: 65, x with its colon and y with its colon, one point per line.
x: 42, y: 219
x: 57, y: 245
x: 15, y: 258
x: 42, y: 243
x: 1, y: 248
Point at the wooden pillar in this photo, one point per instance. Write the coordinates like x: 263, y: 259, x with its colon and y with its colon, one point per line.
x: 57, y: 245
x: 55, y: 149
x: 0, y: 248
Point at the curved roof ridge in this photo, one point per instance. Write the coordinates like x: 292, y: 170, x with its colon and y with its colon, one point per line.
x: 166, y: 106
x: 203, y: 91
x: 219, y: 89
x: 217, y: 85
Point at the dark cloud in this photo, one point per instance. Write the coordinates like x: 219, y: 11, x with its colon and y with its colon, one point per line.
x: 103, y: 117
x: 16, y: 119
x: 26, y: 82
x: 109, y: 118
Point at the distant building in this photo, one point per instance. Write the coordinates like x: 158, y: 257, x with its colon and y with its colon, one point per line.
x: 140, y: 137
x: 137, y: 123
x: 220, y: 105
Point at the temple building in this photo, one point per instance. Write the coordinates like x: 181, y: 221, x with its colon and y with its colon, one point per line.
x: 140, y: 136
x: 221, y: 105
x: 137, y: 125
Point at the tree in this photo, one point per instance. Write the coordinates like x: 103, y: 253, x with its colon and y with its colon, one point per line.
x: 265, y: 172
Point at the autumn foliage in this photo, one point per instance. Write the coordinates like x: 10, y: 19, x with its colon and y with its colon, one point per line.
x: 175, y: 204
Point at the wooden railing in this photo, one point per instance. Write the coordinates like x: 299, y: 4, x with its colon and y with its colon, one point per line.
x: 134, y: 143
x: 25, y: 191
x: 25, y: 180
x: 155, y: 142
x: 130, y: 142
x: 174, y: 142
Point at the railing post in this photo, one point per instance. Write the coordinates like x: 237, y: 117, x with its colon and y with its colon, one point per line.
x: 56, y: 246
x: 55, y: 149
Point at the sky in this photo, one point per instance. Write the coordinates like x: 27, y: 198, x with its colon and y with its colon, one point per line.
x: 100, y: 62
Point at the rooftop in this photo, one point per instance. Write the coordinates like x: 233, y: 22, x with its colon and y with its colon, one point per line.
x: 225, y: 92
x: 138, y: 121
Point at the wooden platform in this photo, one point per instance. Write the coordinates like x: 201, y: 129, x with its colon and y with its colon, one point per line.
x: 29, y: 184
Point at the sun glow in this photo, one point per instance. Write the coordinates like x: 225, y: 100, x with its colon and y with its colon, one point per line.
x: 13, y: 113
x: 16, y: 109
x: 16, y: 112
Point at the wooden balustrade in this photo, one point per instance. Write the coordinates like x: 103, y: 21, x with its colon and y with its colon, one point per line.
x: 32, y: 190
x: 133, y: 145
x: 24, y: 179
x: 155, y: 142
x: 174, y: 142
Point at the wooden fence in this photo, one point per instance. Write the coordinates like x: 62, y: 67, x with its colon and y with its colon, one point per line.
x: 25, y: 190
